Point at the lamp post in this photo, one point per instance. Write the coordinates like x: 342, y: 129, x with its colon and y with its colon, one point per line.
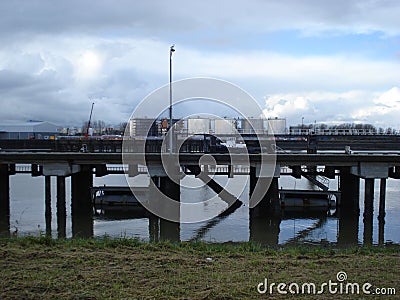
x: 171, y: 50
x: 302, y: 124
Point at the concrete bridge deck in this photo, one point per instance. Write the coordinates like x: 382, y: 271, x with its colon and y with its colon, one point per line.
x: 329, y: 159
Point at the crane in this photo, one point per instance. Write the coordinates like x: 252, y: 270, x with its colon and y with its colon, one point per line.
x: 90, y: 119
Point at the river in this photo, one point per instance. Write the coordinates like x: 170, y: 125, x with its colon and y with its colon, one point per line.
x: 27, y: 217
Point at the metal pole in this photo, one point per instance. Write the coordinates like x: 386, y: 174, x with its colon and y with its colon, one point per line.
x: 171, y: 50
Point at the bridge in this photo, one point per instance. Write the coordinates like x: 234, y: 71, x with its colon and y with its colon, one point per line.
x: 299, y: 158
x: 286, y: 142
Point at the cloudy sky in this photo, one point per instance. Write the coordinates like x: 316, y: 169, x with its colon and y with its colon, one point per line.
x: 326, y: 61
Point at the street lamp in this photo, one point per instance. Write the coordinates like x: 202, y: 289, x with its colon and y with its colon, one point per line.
x: 171, y: 50
x: 302, y: 124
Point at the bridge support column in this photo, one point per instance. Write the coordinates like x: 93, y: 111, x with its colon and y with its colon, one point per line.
x: 81, y: 203
x: 154, y: 221
x: 170, y: 230
x: 381, y: 231
x: 265, y: 218
x: 154, y: 228
x: 368, y: 209
x: 47, y: 201
x: 4, y: 201
x: 350, y: 188
x: 382, y: 199
x: 61, y: 208
x: 382, y: 213
x: 253, y: 180
x: 270, y: 203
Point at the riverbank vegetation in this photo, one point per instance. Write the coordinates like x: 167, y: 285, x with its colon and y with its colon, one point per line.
x: 44, y: 268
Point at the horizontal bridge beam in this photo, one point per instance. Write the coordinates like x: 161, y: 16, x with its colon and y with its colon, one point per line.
x: 324, y: 159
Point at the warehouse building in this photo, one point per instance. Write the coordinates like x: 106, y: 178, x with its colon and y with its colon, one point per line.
x: 29, y: 130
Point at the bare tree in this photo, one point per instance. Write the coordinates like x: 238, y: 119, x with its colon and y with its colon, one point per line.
x: 122, y: 127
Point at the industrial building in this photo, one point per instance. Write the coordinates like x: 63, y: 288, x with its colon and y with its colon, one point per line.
x: 143, y: 127
x: 29, y: 130
x: 204, y: 125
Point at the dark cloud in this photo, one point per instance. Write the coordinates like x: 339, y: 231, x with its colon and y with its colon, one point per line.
x: 173, y: 16
x: 44, y: 40
x: 88, y: 17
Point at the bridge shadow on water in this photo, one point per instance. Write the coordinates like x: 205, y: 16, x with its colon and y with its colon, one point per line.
x: 337, y: 227
x: 297, y: 227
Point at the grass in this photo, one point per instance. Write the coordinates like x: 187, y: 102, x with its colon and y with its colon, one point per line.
x: 44, y: 268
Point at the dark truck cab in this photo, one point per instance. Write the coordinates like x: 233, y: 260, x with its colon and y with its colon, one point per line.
x: 205, y: 143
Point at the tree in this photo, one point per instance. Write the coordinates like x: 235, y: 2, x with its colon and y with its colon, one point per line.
x: 122, y: 127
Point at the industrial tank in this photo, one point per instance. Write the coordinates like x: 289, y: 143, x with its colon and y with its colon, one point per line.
x: 224, y: 126
x: 253, y: 125
x: 276, y: 126
x: 198, y: 125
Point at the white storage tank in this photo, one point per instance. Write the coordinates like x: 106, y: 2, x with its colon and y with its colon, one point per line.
x: 198, y: 125
x: 224, y: 126
x: 253, y: 125
x: 276, y: 126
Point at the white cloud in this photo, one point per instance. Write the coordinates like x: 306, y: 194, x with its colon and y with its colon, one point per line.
x: 383, y: 110
x: 379, y: 109
x: 292, y: 73
x: 120, y: 72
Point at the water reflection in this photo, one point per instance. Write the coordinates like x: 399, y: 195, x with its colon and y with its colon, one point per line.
x: 348, y: 228
x: 342, y: 228
x: 264, y: 229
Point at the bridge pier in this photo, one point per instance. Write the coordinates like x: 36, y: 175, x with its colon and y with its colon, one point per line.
x: 382, y: 199
x: 61, y: 208
x: 350, y: 188
x: 348, y: 228
x: 154, y: 228
x: 81, y: 202
x: 170, y: 230
x: 368, y: 209
x: 270, y: 202
x: 263, y: 229
x: 382, y: 213
x: 47, y: 201
x: 81, y: 182
x: 274, y: 195
x: 4, y: 200
x: 154, y: 221
x: 381, y: 231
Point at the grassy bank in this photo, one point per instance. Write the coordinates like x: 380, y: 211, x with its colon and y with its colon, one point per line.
x: 42, y: 268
